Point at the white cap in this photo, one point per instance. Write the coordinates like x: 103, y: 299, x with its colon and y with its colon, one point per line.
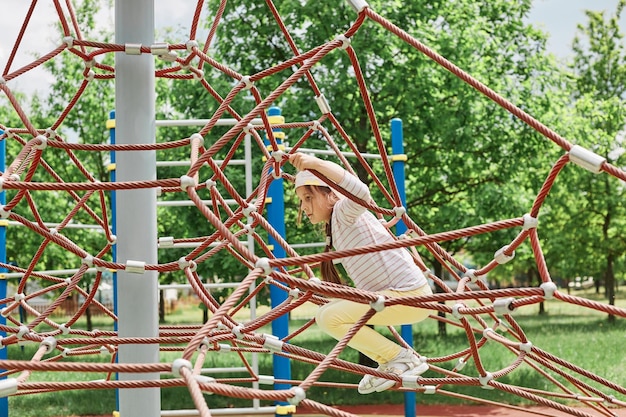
x: 306, y: 177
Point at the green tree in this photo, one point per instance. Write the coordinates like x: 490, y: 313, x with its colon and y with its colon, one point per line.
x: 599, y: 71
x: 460, y: 145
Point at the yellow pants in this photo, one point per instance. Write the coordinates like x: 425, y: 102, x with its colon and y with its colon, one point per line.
x: 338, y: 316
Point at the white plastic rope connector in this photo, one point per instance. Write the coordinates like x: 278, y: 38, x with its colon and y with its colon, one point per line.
x: 548, y: 290
x: 278, y: 155
x: 68, y: 41
x: 530, y: 222
x: 502, y: 258
x: 43, y: 142
x: 273, y: 343
x: 178, y: 364
x: 237, y: 331
x: 484, y: 380
x: 64, y: 329
x: 266, y: 380
x: 299, y: 395
x: 135, y: 267
x: 245, y: 80
x: 587, y: 159
x: 410, y: 381
x: 487, y: 330
x: 379, y: 304
x: 88, y: 260
x: 471, y: 274
x: 186, y: 181
x: 455, y: 310
x: 8, y: 387
x: 166, y: 242
x: 264, y: 264
x: 399, y: 212
x: 170, y: 56
x: 4, y: 214
x: 430, y: 389
x: 250, y: 208
x: 198, y: 74
x: 249, y: 128
x: 50, y: 343
x: 504, y: 306
x: 322, y: 103
x: 184, y: 263
x: 161, y: 48
x: 203, y: 379
x: 205, y: 343
x: 132, y: 48
x: 526, y: 347
x: 191, y: 44
x: 22, y: 331
x: 460, y: 364
x: 294, y: 293
x: 223, y: 347
x: 345, y: 41
x: 90, y: 75
x: 358, y: 5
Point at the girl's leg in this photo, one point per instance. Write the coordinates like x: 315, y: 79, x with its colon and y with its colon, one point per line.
x: 338, y: 316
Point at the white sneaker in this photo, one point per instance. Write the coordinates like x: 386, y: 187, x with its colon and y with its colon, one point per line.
x: 406, y: 363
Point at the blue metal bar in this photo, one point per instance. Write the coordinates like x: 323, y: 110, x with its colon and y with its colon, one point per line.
x: 276, y: 217
x: 4, y: 401
x: 398, y: 165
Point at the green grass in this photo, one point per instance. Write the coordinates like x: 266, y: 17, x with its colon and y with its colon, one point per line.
x: 578, y: 335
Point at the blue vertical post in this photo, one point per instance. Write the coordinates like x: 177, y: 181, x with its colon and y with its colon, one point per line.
x: 4, y: 401
x: 276, y: 217
x: 398, y: 163
x: 110, y: 124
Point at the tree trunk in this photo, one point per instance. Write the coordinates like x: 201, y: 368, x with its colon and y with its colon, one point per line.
x: 609, y: 282
x: 162, y: 307
x: 535, y: 272
x: 442, y: 330
x: 88, y: 313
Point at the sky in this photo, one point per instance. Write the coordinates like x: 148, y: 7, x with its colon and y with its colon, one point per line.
x: 557, y: 17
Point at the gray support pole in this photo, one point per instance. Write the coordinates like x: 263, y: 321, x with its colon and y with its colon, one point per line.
x: 137, y: 292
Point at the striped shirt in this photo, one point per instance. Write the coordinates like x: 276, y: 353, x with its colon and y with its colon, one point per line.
x: 352, y: 227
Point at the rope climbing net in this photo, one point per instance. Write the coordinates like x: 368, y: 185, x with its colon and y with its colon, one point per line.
x: 481, y: 312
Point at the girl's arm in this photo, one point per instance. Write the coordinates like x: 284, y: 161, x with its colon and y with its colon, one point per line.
x: 329, y: 169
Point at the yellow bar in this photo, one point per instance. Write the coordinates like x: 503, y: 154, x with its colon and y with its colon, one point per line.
x: 399, y: 158
x: 111, y: 167
x: 268, y: 200
x: 285, y: 409
x: 276, y: 120
x: 110, y: 124
x: 281, y: 147
x: 4, y: 222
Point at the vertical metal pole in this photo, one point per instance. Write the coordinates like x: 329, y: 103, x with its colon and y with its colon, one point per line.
x: 398, y: 163
x: 276, y: 217
x: 137, y: 293
x: 247, y: 146
x: 4, y: 401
